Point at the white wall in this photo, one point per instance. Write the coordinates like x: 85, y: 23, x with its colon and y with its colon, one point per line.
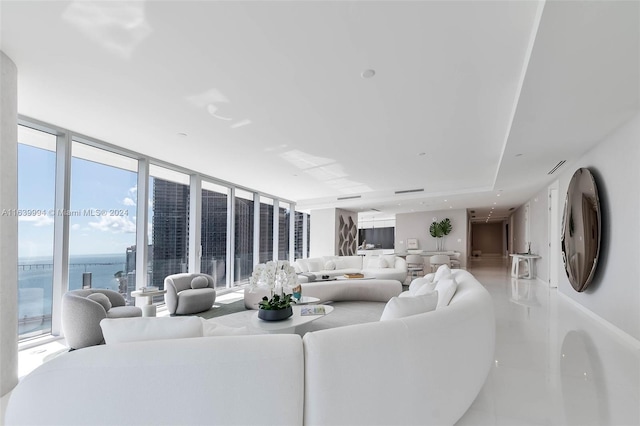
x: 323, y: 236
x: 538, y: 232
x: 416, y: 225
x: 8, y: 225
x: 614, y: 294
x: 325, y: 229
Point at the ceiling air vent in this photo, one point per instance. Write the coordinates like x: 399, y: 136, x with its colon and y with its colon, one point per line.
x: 473, y: 211
x: 552, y: 171
x: 375, y: 210
x: 351, y: 197
x: 408, y: 191
x: 512, y: 209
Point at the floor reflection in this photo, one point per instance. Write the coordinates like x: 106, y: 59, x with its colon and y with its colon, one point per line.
x: 596, y: 382
x: 585, y: 400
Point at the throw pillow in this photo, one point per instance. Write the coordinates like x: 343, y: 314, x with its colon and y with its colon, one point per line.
x: 101, y: 299
x: 315, y: 265
x: 446, y: 288
x: 400, y: 307
x: 417, y: 283
x: 340, y: 263
x: 304, y: 266
x: 425, y: 289
x: 442, y: 272
x: 375, y: 262
x: 391, y: 260
x: 330, y: 265
x: 199, y: 282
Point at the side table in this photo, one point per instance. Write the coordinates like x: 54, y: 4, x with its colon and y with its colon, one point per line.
x: 148, y: 310
x: 515, y: 264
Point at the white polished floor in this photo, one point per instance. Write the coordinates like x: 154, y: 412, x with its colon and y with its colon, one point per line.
x: 554, y: 364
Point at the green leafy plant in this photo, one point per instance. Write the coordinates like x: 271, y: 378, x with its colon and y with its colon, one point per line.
x: 440, y: 229
x: 276, y: 302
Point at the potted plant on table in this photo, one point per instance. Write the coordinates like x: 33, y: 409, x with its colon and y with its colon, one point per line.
x: 439, y: 230
x: 279, y: 278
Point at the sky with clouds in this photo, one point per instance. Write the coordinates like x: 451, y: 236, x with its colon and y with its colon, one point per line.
x: 102, y: 196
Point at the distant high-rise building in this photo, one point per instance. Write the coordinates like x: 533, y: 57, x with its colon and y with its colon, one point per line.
x: 243, y: 256
x: 266, y: 232
x: 170, y: 229
x: 213, y: 235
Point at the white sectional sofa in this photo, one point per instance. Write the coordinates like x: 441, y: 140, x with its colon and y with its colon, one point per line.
x: 425, y: 368
x: 383, y: 267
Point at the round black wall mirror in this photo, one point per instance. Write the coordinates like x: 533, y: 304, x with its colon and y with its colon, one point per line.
x: 581, y: 229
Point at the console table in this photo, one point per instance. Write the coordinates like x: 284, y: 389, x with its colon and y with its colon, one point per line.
x: 515, y: 264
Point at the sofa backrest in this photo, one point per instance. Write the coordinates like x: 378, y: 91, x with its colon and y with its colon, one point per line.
x: 423, y: 369
x: 209, y: 380
x: 115, y: 298
x: 183, y: 281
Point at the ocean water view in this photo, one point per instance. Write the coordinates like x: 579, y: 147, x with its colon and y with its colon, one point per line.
x: 35, y: 285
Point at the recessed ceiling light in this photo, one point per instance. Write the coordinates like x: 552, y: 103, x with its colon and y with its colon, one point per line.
x: 495, y: 204
x: 445, y: 201
x: 368, y: 73
x: 497, y: 195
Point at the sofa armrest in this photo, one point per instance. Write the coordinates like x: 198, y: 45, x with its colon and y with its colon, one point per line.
x: 400, y: 264
x: 171, y: 296
x: 81, y: 321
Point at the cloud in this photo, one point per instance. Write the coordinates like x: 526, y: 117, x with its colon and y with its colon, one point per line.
x: 114, y: 224
x: 75, y: 226
x: 128, y: 202
x: 37, y: 220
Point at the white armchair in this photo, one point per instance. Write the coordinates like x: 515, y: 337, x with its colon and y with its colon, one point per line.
x: 189, y: 293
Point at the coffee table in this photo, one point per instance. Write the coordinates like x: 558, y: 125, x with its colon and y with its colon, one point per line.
x: 305, y: 300
x: 289, y: 325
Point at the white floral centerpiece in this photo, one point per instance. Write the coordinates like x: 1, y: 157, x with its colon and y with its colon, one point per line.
x: 279, y: 277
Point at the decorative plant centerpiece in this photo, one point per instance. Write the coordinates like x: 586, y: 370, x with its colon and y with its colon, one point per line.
x: 439, y: 230
x: 279, y: 278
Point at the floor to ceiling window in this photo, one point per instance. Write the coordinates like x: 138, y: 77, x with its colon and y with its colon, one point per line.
x: 243, y: 255
x: 213, y: 236
x: 99, y: 248
x: 169, y: 218
x: 102, y: 223
x: 36, y: 191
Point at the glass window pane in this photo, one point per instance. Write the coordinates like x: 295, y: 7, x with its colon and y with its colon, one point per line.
x: 213, y: 238
x: 243, y: 256
x: 283, y: 231
x: 36, y: 192
x: 102, y: 223
x: 266, y: 229
x: 308, y: 234
x: 169, y: 217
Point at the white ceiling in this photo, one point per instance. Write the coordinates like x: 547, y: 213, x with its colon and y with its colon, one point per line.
x: 270, y: 94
